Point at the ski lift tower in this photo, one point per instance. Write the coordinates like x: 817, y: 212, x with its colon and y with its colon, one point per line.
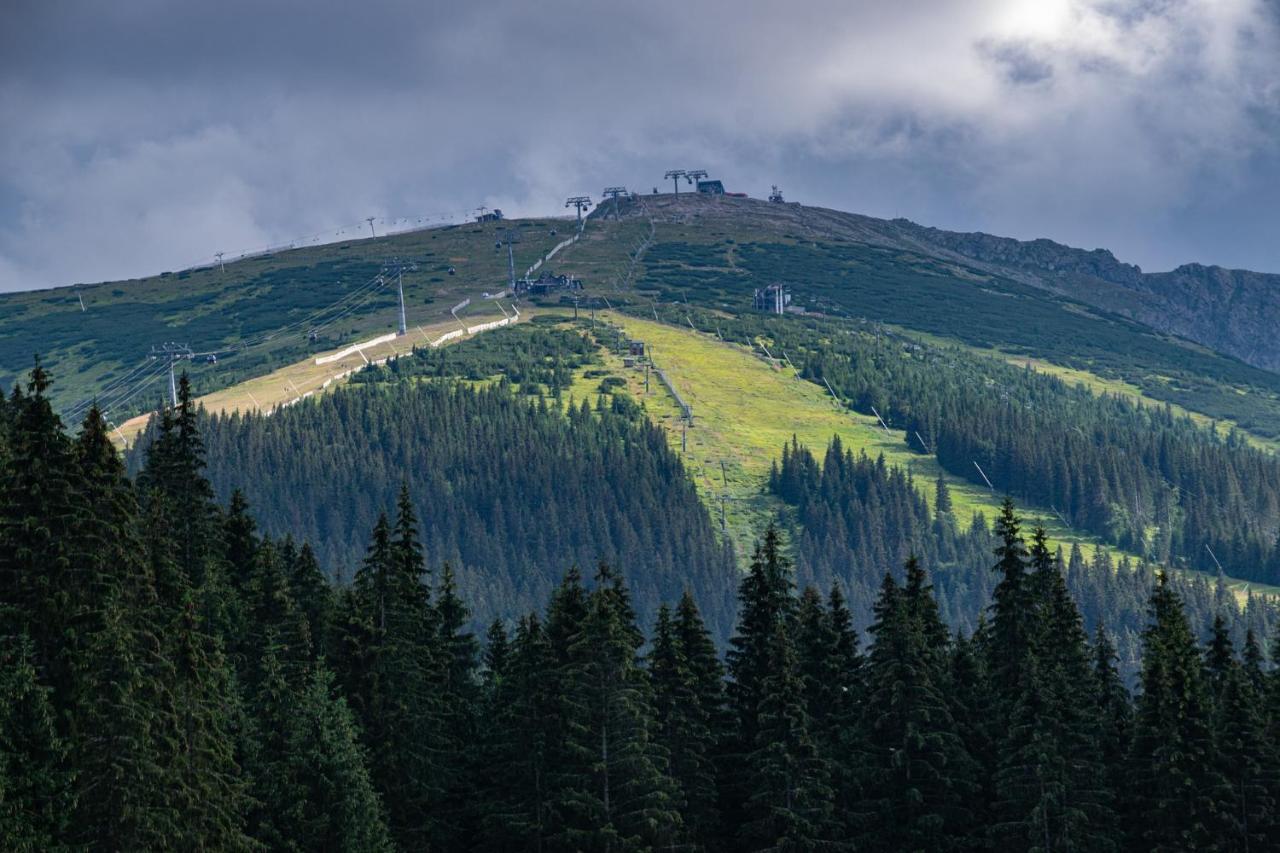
x: 614, y: 192
x: 674, y: 177
x: 172, y: 352
x: 509, y: 237
x: 695, y: 175
x: 399, y: 267
x: 581, y: 202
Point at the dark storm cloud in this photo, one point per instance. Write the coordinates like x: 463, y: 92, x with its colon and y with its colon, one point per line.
x: 144, y: 135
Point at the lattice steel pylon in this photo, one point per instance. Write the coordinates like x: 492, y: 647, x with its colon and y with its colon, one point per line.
x: 581, y: 202
x: 614, y: 192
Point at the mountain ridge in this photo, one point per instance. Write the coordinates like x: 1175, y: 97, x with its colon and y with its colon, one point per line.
x: 1228, y: 310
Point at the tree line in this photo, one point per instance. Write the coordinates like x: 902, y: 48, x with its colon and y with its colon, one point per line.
x: 172, y: 678
x: 507, y: 489
x: 1142, y: 477
x: 857, y: 518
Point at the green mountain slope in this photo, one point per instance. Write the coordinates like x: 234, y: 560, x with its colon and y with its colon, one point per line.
x: 714, y: 252
x: 256, y: 315
x: 1151, y: 482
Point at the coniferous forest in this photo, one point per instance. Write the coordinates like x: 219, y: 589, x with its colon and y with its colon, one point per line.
x: 1143, y: 478
x: 172, y: 678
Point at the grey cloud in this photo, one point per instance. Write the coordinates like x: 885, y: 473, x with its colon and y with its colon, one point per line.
x: 140, y: 136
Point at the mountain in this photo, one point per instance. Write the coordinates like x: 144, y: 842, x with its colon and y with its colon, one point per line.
x: 1196, y: 336
x: 931, y: 470
x: 1231, y: 311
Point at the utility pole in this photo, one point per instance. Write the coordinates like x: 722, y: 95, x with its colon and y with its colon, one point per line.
x: 581, y: 202
x: 221, y: 266
x: 614, y: 192
x: 172, y: 352
x: 370, y: 219
x: 674, y: 176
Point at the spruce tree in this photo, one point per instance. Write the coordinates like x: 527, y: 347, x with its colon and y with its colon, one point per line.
x: 941, y: 498
x: 273, y: 618
x: 210, y: 790
x: 1219, y: 657
x: 823, y: 683
x: 765, y: 599
x: 339, y: 809
x: 614, y: 789
x: 457, y: 691
x: 42, y: 584
x: 913, y: 765
x: 312, y: 594
x: 684, y: 730
x: 791, y: 803
x: 35, y: 784
x: 1247, y: 760
x: 1177, y: 798
x: 1114, y: 713
x: 174, y: 474
x: 495, y: 764
x: 1051, y: 787
x: 389, y: 655
x: 1011, y: 609
x: 121, y: 703
x: 520, y: 810
x: 969, y: 701
x: 706, y: 674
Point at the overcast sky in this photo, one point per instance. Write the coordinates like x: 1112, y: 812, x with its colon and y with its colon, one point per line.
x: 141, y: 135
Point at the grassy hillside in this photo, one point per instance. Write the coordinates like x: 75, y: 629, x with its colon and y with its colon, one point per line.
x: 708, y: 251
x: 259, y: 312
x: 715, y: 252
x: 745, y: 408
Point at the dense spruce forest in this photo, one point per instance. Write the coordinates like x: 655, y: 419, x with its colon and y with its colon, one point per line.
x: 1141, y: 477
x: 174, y: 679
x: 858, y: 519
x: 508, y: 490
